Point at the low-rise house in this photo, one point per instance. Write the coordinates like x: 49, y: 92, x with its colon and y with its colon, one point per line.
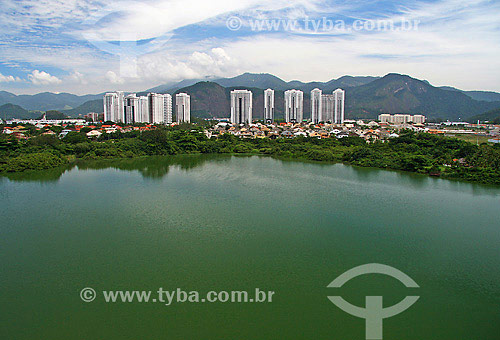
x: 94, y: 134
x: 64, y: 133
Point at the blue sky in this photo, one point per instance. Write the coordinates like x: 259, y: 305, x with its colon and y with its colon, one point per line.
x: 91, y: 46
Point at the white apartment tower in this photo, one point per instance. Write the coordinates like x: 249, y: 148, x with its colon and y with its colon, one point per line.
x: 110, y: 107
x: 183, y: 108
x: 113, y: 107
x: 131, y: 107
x: 143, y: 110
x: 316, y: 106
x: 328, y: 108
x: 167, y: 108
x: 294, y: 106
x: 241, y: 107
x: 268, y: 106
x: 339, y: 106
x: 156, y: 104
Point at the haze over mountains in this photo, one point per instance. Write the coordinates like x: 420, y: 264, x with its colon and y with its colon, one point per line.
x: 366, y: 97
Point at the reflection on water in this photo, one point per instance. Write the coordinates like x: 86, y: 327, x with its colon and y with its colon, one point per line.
x: 155, y: 167
x: 51, y: 175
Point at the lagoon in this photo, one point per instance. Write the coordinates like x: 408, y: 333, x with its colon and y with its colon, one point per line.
x: 227, y: 223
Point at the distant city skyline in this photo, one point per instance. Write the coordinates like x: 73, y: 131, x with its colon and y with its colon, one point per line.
x: 157, y: 108
x: 68, y: 47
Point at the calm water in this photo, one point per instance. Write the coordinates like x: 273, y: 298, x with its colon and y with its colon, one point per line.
x: 238, y: 223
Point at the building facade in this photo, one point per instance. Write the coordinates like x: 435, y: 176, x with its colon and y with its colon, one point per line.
x: 183, y: 108
x: 143, y: 110
x: 113, y: 109
x: 294, y: 106
x: 339, y: 115
x: 402, y: 119
x: 156, y: 108
x: 131, y: 106
x: 328, y: 108
x: 241, y: 107
x: 418, y: 119
x: 167, y: 108
x: 268, y: 106
x: 316, y: 106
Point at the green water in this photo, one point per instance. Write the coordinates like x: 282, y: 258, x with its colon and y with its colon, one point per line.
x: 240, y: 223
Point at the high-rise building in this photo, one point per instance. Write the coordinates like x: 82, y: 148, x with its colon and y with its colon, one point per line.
x: 328, y: 108
x: 268, y: 106
x: 114, y: 107
x: 143, y: 110
x: 156, y: 108
x: 241, y: 107
x: 110, y: 107
x: 167, y: 108
x: 316, y: 106
x: 131, y: 106
x: 339, y: 106
x: 183, y: 108
x: 294, y: 106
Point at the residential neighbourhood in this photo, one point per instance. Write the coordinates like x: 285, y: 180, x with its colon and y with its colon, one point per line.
x: 369, y: 130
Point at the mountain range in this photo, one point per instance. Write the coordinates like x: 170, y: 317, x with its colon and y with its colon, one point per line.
x: 366, y: 97
x: 46, y: 101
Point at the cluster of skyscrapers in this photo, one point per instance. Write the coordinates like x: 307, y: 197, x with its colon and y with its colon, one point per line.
x: 328, y: 107
x: 154, y: 108
x: 324, y: 107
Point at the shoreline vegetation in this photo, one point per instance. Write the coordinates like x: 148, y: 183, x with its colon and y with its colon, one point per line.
x: 422, y: 153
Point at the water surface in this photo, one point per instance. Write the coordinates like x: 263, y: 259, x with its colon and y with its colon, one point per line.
x: 237, y: 223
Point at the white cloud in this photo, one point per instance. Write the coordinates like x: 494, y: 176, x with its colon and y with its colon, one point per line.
x: 8, y: 79
x: 147, y: 20
x: 43, y: 78
x: 79, y: 78
x: 113, y: 78
x: 166, y: 67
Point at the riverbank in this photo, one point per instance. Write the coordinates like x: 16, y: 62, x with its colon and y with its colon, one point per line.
x: 418, y: 153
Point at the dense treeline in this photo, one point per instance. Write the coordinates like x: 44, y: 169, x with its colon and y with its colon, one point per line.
x: 422, y: 153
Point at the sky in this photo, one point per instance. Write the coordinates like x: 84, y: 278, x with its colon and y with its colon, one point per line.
x: 93, y: 46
